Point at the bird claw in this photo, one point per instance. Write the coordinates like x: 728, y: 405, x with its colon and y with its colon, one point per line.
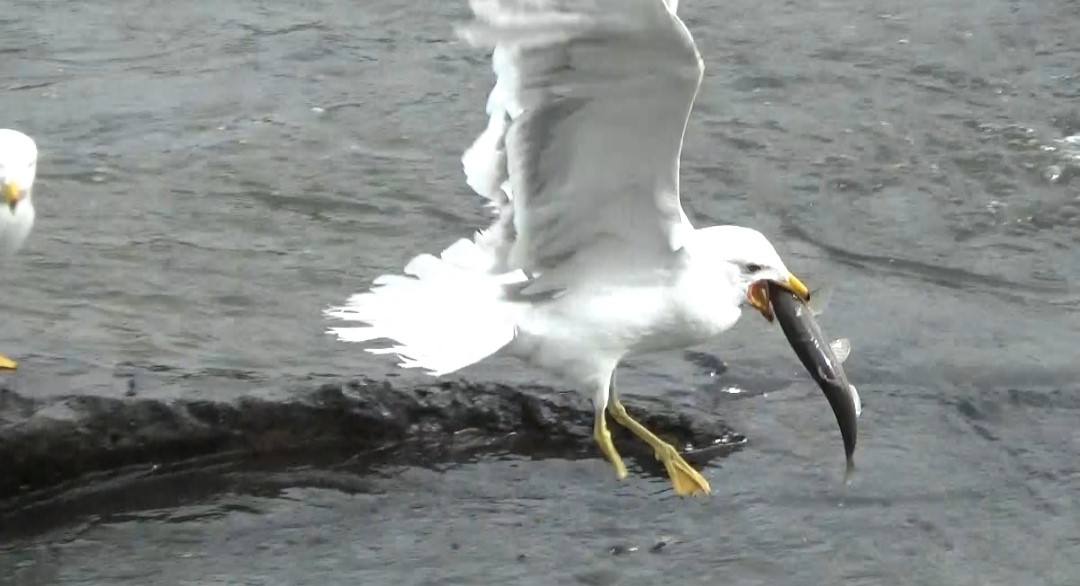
x: 684, y: 479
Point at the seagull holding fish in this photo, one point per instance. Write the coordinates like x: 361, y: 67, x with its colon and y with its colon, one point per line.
x: 591, y: 258
x: 18, y: 166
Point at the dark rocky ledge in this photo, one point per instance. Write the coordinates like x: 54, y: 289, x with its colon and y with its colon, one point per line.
x: 46, y: 445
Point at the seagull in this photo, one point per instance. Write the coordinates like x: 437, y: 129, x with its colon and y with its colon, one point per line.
x: 590, y: 258
x: 18, y: 166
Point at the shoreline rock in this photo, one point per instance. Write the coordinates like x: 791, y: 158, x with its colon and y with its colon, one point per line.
x: 46, y: 444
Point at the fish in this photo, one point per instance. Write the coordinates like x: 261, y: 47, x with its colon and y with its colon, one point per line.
x: 823, y: 360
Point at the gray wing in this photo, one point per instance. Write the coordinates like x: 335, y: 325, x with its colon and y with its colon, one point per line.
x: 586, y: 127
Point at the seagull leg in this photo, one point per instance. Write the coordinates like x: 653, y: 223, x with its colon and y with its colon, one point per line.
x: 684, y: 479
x: 603, y: 437
x: 601, y: 433
x: 7, y: 363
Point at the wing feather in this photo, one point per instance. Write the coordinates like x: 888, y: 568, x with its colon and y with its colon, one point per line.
x: 586, y: 125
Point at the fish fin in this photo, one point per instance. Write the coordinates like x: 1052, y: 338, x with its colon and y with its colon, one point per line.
x: 856, y: 399
x: 842, y: 349
x: 819, y: 300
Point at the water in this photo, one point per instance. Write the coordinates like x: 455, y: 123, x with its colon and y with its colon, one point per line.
x: 213, y: 175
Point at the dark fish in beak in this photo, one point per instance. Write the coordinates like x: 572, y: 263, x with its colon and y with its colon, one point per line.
x: 821, y: 361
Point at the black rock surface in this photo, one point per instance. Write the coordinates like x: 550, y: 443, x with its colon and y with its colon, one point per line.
x: 51, y: 445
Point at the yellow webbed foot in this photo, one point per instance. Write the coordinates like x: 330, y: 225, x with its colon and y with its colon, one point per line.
x: 684, y: 479
x: 7, y: 363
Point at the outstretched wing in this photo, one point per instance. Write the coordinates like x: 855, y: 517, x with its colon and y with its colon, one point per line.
x: 586, y: 126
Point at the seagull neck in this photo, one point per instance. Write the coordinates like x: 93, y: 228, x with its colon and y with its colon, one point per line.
x: 708, y: 287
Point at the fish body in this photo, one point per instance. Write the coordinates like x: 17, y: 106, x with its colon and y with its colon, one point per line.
x: 821, y: 360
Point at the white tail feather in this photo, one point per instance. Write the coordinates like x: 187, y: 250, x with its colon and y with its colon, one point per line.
x: 448, y: 315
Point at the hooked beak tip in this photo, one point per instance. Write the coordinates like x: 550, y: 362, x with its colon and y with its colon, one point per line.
x: 797, y: 287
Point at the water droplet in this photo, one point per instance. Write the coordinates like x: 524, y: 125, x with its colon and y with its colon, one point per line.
x: 1052, y: 173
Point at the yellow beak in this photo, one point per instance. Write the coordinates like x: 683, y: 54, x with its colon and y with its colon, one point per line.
x: 796, y: 286
x: 12, y: 193
x: 758, y: 294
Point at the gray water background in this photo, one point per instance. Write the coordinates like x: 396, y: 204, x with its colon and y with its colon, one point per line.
x: 213, y: 174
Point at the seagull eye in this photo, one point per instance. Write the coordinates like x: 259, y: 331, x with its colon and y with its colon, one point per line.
x: 753, y: 267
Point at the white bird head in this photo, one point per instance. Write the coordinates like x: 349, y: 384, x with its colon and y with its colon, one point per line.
x: 753, y: 263
x: 18, y: 167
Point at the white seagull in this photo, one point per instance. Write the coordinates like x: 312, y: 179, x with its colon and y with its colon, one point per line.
x: 18, y: 166
x: 591, y: 258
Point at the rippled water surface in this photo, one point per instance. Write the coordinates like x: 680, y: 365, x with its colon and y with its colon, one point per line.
x: 213, y: 174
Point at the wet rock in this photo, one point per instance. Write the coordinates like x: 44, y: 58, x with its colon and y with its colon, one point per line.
x: 46, y: 443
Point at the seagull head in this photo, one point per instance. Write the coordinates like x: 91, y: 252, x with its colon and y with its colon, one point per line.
x: 754, y: 263
x: 18, y: 166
